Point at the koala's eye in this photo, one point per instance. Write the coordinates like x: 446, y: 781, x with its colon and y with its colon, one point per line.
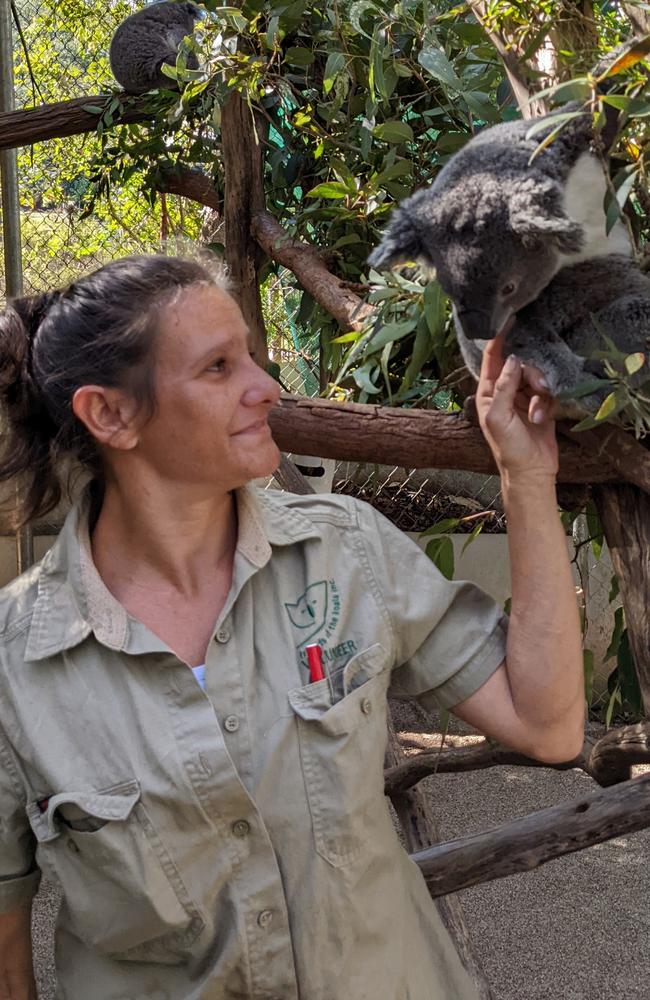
x: 509, y: 289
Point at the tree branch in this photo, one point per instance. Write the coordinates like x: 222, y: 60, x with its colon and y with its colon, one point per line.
x: 414, y: 439
x: 63, y: 118
x: 522, y: 88
x: 348, y: 309
x: 620, y: 450
x: 639, y: 19
x: 608, y: 760
x: 191, y: 184
x: 527, y: 843
x: 462, y: 759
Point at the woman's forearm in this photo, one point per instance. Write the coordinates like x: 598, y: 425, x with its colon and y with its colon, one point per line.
x: 16, y: 970
x: 544, y: 646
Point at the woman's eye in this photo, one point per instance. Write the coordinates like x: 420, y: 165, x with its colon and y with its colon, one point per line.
x: 217, y: 366
x: 509, y: 288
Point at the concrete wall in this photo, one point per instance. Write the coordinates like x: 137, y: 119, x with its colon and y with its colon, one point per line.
x: 486, y: 563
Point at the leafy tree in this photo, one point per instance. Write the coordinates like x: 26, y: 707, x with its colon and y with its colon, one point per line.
x: 356, y: 105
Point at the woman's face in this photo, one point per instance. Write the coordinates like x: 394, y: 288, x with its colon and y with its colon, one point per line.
x: 212, y: 400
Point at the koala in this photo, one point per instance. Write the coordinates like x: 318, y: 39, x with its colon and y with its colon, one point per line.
x: 522, y: 245
x: 146, y: 40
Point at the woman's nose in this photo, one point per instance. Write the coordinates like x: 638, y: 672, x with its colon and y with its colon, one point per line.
x: 262, y: 388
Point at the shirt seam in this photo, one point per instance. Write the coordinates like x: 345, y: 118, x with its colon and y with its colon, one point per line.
x: 18, y: 625
x: 359, y: 540
x: 493, y: 643
x: 7, y: 757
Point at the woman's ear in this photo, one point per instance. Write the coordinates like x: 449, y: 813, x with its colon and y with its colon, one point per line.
x: 108, y: 414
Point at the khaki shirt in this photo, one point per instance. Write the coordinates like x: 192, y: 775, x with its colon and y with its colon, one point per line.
x: 233, y: 843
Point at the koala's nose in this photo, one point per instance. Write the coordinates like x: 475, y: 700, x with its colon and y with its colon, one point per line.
x: 476, y: 324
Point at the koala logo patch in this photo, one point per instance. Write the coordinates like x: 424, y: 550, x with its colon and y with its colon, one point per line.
x: 316, y: 613
x: 309, y: 612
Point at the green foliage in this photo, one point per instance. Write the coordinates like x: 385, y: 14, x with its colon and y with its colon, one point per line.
x: 67, y: 44
x: 358, y: 103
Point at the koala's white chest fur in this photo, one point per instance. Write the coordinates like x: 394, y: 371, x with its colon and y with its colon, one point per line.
x: 584, y: 202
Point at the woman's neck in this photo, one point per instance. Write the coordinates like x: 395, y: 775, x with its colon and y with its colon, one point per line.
x: 179, y: 539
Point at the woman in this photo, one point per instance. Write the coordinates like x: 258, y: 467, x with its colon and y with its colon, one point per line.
x: 233, y: 841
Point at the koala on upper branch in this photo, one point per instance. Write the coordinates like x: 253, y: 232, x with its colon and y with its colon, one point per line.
x: 522, y: 246
x: 146, y: 40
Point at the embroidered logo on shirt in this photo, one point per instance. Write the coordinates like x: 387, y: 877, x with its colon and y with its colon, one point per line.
x: 316, y: 612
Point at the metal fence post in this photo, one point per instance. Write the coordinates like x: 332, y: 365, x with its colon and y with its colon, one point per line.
x: 12, y: 244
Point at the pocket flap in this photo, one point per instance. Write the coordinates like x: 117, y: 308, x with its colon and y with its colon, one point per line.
x: 115, y: 803
x: 312, y: 701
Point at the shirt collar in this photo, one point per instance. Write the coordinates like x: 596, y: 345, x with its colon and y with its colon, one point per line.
x: 73, y: 601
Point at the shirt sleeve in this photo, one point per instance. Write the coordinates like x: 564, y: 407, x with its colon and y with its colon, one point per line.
x: 449, y: 636
x: 19, y: 878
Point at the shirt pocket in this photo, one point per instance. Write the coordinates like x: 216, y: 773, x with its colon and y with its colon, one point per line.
x: 123, y: 894
x: 342, y: 748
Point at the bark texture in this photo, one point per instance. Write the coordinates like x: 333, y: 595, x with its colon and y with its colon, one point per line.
x: 527, y: 843
x: 63, y: 118
x: 347, y: 308
x: 241, y: 136
x: 624, y: 511
x: 414, y: 439
x: 608, y: 760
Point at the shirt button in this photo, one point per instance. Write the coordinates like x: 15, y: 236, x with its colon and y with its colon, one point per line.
x: 366, y: 706
x: 223, y: 635
x: 241, y: 828
x: 264, y: 918
x: 232, y: 723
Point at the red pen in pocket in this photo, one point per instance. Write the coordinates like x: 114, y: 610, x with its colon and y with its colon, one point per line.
x: 315, y: 661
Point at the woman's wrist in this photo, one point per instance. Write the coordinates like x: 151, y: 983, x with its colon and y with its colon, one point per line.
x: 528, y: 484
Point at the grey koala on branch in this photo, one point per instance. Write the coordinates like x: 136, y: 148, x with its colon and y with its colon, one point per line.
x: 522, y: 246
x: 146, y: 40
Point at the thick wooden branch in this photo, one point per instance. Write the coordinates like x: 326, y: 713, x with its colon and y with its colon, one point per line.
x: 54, y: 121
x: 347, y: 308
x: 244, y: 198
x: 527, y: 843
x: 194, y: 185
x: 624, y: 511
x: 618, y: 449
x: 460, y: 759
x: 613, y: 756
x: 414, y: 439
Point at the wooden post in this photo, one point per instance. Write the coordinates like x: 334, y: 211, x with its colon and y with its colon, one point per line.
x: 624, y: 511
x: 242, y: 136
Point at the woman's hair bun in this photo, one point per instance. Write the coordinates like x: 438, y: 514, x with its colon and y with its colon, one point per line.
x: 19, y: 323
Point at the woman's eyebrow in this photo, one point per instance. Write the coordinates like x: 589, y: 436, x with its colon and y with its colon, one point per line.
x: 221, y: 345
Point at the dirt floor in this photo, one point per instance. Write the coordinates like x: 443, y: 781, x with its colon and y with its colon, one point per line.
x: 575, y: 929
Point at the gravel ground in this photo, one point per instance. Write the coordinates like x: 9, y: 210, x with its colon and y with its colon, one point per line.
x: 575, y: 929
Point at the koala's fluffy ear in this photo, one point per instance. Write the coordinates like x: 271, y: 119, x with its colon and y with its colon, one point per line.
x: 536, y: 213
x: 400, y: 243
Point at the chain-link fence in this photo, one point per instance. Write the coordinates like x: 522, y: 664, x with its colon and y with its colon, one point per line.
x: 61, y: 52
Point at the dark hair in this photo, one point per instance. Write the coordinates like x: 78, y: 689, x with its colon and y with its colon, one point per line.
x: 99, y: 330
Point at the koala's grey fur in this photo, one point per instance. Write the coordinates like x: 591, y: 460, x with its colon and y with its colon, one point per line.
x: 523, y: 244
x: 146, y: 40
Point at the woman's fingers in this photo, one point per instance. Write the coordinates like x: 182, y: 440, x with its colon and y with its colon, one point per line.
x: 491, y: 364
x: 506, y: 388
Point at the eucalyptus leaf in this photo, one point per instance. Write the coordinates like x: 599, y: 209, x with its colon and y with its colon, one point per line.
x: 441, y: 552
x: 435, y: 62
x: 329, y: 189
x: 394, y: 131
x: 391, y: 332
